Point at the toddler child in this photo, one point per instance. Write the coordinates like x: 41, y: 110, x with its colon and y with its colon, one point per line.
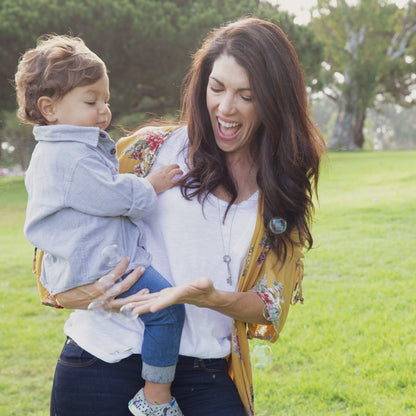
x: 78, y: 203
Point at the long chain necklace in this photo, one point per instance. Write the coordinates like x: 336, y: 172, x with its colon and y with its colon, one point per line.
x: 226, y: 258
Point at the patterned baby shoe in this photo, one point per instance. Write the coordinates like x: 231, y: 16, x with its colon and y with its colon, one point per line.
x: 139, y: 406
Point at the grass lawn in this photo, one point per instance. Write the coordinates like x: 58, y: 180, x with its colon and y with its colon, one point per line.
x: 349, y: 350
x: 31, y: 335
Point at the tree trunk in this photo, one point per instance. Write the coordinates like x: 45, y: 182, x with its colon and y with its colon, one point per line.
x: 359, y: 128
x: 24, y: 148
x: 348, y: 130
x: 22, y: 158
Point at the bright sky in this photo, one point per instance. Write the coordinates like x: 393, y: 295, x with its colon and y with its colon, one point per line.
x: 301, y: 8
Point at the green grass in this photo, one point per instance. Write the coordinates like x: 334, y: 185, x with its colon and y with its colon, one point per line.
x: 349, y: 350
x: 31, y: 335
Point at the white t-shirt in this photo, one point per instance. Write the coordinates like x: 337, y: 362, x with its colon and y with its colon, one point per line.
x: 186, y: 242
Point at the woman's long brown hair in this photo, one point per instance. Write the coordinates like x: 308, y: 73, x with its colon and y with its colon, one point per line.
x: 287, y: 147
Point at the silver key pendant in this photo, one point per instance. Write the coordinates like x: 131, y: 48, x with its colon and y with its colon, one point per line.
x: 227, y: 260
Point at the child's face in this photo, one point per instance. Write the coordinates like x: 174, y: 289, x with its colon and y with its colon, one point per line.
x: 85, y: 106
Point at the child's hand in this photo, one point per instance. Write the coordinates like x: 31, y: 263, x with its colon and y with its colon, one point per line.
x: 164, y: 177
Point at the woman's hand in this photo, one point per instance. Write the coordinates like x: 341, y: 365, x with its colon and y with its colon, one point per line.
x: 104, y: 289
x: 244, y: 306
x: 198, y: 293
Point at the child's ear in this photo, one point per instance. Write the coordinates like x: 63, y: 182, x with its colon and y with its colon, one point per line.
x: 46, y: 106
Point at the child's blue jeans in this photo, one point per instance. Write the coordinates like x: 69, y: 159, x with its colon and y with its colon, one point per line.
x: 162, y: 334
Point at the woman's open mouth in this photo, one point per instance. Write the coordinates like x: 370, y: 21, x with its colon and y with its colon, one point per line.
x: 228, y: 130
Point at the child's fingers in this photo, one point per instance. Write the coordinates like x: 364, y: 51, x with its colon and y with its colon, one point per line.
x: 175, y: 172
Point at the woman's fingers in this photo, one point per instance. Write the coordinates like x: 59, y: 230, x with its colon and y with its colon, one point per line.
x: 105, y: 284
x: 103, y: 290
x: 114, y: 286
x: 194, y: 293
x: 118, y: 285
x: 141, y: 303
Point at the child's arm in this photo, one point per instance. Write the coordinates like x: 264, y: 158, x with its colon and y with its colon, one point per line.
x: 164, y: 178
x: 98, y: 189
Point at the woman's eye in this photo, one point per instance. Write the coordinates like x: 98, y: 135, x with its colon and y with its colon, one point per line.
x: 248, y: 99
x: 90, y: 102
x: 213, y: 89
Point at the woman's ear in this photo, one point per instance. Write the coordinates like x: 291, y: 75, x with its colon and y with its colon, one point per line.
x: 46, y: 107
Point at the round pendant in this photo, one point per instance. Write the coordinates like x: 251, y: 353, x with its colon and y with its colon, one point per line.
x: 277, y: 225
x: 226, y: 258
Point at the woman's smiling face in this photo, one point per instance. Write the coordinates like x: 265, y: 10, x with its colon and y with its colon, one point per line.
x: 230, y: 106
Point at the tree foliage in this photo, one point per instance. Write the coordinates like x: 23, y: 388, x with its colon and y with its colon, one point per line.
x: 310, y: 50
x: 16, y: 135
x: 146, y: 44
x: 370, y: 54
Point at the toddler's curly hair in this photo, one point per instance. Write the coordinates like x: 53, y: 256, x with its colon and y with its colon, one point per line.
x: 58, y: 64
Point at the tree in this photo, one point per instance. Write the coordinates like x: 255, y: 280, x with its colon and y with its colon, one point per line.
x: 19, y: 137
x: 393, y: 127
x: 370, y: 58
x: 146, y: 44
x: 309, y: 49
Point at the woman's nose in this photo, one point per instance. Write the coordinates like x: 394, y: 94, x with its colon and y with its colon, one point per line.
x: 227, y: 105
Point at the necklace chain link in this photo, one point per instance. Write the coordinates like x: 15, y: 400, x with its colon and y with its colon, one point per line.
x: 226, y: 258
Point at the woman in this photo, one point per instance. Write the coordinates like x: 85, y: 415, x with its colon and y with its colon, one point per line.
x: 239, y: 220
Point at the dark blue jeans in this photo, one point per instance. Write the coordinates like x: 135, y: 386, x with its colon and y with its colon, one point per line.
x: 86, y: 386
x: 163, y: 330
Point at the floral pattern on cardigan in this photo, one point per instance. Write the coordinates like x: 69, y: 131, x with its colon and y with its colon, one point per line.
x: 140, y: 155
x: 273, y: 298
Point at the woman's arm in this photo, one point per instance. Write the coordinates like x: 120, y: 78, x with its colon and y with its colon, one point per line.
x: 80, y: 297
x: 243, y: 306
